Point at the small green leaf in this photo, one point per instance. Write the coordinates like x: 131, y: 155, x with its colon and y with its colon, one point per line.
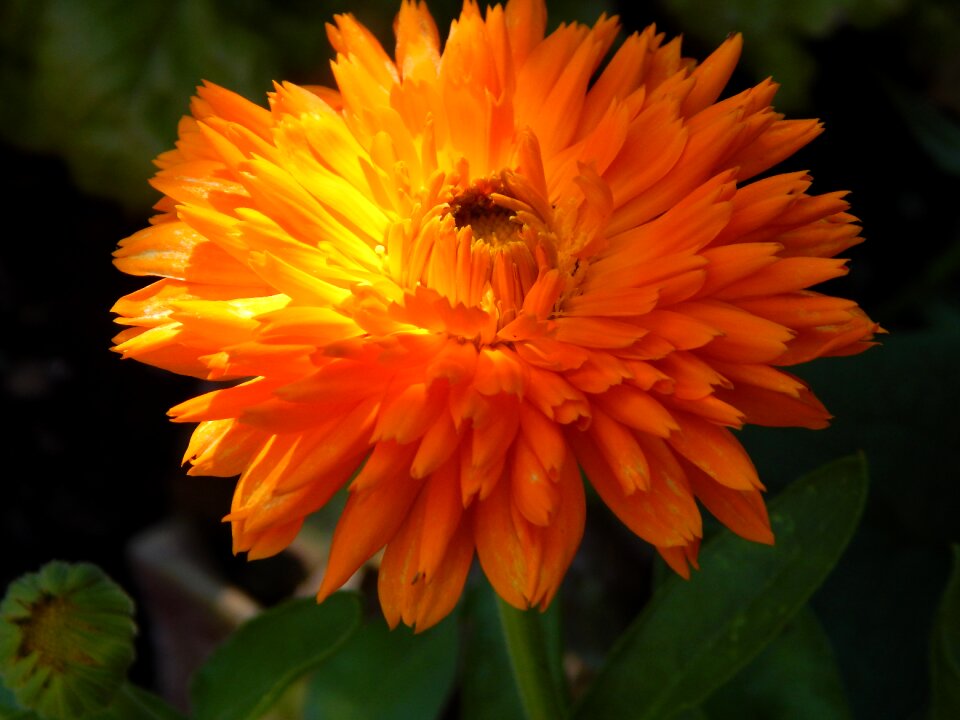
x: 488, y: 690
x: 246, y: 674
x: 795, y: 678
x: 414, y: 674
x: 697, y: 634
x: 945, y: 650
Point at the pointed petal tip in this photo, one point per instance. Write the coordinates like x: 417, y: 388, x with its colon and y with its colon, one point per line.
x: 327, y: 589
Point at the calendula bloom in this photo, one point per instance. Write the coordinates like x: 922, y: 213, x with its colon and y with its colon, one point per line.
x: 474, y: 271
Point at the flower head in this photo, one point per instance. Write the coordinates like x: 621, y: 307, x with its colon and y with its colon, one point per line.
x: 476, y: 270
x: 66, y: 640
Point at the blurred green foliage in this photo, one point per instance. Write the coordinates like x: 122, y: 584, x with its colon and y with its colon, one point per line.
x: 102, y: 83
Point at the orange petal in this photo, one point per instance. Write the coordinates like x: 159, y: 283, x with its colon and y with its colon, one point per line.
x: 712, y: 75
x: 418, y: 43
x: 222, y: 448
x: 175, y: 250
x: 664, y: 515
x: 744, y: 337
x: 743, y: 511
x: 274, y: 539
x: 777, y: 143
x: 534, y: 493
x: 787, y: 275
x: 444, y: 510
x: 405, y: 593
x: 692, y: 377
x: 408, y: 412
x: 369, y: 521
x: 681, y: 557
x: 601, y: 371
x: 439, y: 442
x: 801, y: 309
x: 383, y: 464
x: 525, y: 563
x: 622, y: 452
x: 526, y: 24
x: 714, y: 450
x: 637, y: 409
x: 774, y: 409
x: 544, y: 437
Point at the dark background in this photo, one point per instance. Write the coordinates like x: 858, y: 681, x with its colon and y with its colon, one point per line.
x: 90, y: 459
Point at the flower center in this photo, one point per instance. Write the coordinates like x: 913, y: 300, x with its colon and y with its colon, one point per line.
x: 491, y: 223
x: 43, y: 633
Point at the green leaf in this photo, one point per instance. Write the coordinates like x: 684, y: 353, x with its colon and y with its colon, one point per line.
x: 414, y: 674
x: 945, y: 650
x: 898, y: 403
x: 696, y: 634
x: 814, y: 690
x: 133, y: 703
x: 488, y: 690
x: 246, y: 674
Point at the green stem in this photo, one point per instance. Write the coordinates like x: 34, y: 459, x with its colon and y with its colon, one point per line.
x: 539, y: 692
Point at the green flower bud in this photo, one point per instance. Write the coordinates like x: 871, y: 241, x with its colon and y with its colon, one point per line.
x: 66, y: 640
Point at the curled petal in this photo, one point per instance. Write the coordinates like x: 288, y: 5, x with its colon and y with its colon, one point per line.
x: 369, y: 521
x: 523, y: 561
x: 425, y: 565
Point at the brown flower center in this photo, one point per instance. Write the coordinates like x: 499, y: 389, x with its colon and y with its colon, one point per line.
x: 491, y: 223
x: 43, y: 634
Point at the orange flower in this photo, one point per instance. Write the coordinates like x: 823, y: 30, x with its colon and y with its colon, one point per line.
x: 474, y: 272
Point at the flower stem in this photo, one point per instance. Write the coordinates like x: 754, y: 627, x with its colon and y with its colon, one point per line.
x: 539, y: 691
